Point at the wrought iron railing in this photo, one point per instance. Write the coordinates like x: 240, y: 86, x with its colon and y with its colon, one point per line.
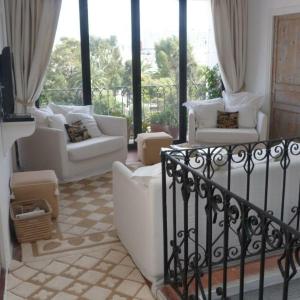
x: 207, y: 226
x: 118, y: 101
x: 155, y: 98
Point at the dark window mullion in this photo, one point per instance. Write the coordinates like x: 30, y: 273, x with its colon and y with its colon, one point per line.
x: 182, y: 68
x: 136, y: 66
x: 85, y: 52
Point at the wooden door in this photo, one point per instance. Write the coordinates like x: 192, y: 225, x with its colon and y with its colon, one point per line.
x: 285, y: 108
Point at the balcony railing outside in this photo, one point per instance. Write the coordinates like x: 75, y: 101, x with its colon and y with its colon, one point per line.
x: 159, y: 103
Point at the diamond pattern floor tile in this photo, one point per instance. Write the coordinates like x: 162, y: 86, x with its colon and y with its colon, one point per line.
x: 86, y: 209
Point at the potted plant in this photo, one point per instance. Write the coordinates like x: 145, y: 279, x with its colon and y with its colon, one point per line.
x: 170, y: 122
x: 156, y: 122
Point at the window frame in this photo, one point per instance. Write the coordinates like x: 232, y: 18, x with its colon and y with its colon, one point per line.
x: 136, y: 64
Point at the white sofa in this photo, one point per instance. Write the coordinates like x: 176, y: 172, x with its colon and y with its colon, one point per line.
x: 138, y: 208
x: 203, y: 120
x: 47, y: 149
x: 222, y: 136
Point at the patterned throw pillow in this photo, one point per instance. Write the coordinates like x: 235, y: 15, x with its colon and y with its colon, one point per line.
x: 228, y: 119
x: 77, y: 132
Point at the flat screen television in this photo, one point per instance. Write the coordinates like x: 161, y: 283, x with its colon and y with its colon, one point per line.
x: 7, y: 82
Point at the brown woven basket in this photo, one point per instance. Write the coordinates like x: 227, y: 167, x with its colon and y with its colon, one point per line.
x: 33, y: 228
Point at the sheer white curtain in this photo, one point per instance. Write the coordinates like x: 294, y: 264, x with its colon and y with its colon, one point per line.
x: 230, y: 27
x: 3, y: 39
x: 31, y: 27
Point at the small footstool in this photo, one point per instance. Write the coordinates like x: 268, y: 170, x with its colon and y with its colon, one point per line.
x: 36, y: 185
x: 150, y: 144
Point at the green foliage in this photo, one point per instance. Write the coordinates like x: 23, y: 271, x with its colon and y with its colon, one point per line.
x: 111, y: 79
x: 213, y: 82
x: 106, y: 63
x: 208, y: 84
x: 63, y: 81
x: 166, y: 117
x: 155, y: 118
x: 167, y: 59
x: 170, y: 117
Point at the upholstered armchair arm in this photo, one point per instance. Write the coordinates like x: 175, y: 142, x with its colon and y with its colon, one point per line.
x: 45, y: 149
x: 191, y: 134
x: 109, y: 125
x: 262, y: 126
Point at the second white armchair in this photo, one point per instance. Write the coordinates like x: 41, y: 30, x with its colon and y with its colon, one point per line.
x: 47, y: 149
x: 203, y: 126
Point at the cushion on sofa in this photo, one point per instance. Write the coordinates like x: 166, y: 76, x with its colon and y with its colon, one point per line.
x: 206, y: 113
x: 87, y: 121
x: 191, y: 104
x: 247, y: 115
x: 94, y: 147
x: 226, y: 135
x: 243, y: 98
x: 227, y: 119
x: 41, y: 115
x: 77, y: 132
x: 65, y: 109
x: 58, y: 121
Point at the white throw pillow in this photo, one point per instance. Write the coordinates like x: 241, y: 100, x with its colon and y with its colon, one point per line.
x: 65, y: 109
x: 243, y: 98
x: 41, y: 115
x: 206, y: 114
x: 194, y: 103
x: 88, y: 122
x: 247, y: 115
x: 58, y: 121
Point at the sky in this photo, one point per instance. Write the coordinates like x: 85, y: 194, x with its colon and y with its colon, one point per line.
x: 159, y: 19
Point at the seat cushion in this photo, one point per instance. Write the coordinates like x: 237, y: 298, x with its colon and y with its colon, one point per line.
x: 225, y: 135
x: 36, y: 185
x: 94, y: 147
x: 32, y: 177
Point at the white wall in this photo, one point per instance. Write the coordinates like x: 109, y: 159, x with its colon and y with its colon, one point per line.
x: 260, y: 40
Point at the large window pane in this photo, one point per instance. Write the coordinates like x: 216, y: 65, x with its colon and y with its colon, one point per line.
x: 110, y: 55
x: 160, y: 65
x: 203, y: 77
x: 63, y: 83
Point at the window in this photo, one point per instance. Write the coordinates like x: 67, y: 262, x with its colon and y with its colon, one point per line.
x: 160, y: 65
x: 133, y: 59
x: 203, y: 79
x: 63, y: 82
x: 110, y: 57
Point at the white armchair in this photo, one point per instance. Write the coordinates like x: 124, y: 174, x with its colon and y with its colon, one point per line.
x: 47, y: 149
x: 211, y: 135
x: 222, y: 136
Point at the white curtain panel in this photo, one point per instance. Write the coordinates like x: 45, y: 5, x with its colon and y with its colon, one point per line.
x: 3, y: 40
x: 31, y: 27
x: 230, y: 27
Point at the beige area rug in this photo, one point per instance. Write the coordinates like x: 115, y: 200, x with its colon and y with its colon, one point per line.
x: 84, y: 259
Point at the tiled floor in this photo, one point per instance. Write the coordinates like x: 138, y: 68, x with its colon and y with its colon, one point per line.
x: 93, y: 276
x: 67, y: 267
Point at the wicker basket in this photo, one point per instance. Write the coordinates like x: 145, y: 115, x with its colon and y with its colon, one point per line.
x: 33, y: 228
